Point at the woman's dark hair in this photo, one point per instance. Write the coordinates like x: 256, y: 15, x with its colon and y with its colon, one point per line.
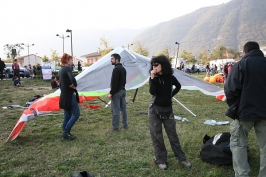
x: 65, y: 58
x: 166, y: 66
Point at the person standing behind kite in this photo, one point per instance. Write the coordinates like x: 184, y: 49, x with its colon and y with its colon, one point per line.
x: 68, y: 101
x: 161, y: 88
x: 117, y: 93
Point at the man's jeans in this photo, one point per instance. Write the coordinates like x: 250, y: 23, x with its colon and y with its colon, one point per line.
x: 71, y: 116
x: 119, y: 104
x: 239, y: 142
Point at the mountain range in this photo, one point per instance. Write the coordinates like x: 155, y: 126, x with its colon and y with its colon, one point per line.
x: 230, y: 24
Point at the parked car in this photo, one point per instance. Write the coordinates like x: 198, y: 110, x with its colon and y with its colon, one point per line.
x: 201, y: 68
x: 57, y: 68
x: 197, y: 69
x: 9, y: 71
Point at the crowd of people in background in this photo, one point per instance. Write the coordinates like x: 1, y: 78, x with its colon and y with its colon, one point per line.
x: 210, y: 70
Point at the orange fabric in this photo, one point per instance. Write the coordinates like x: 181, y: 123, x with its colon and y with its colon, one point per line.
x: 220, y: 97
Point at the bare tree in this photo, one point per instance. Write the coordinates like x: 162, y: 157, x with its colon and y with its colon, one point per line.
x: 165, y: 52
x: 106, y: 48
x: 12, y: 50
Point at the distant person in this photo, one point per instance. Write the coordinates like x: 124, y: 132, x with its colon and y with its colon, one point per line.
x: 39, y: 67
x: 225, y: 71
x: 215, y: 69
x: 16, y: 69
x: 17, y: 82
x: 30, y: 69
x: 54, y: 83
x: 34, y: 71
x: 79, y: 66
x: 68, y: 101
x: 193, y: 69
x: 207, y: 68
x: 2, y: 67
x: 73, y: 67
x: 117, y: 94
x: 26, y: 72
x: 183, y: 66
x: 245, y: 90
x: 161, y: 88
x: 230, y: 67
x: 212, y: 68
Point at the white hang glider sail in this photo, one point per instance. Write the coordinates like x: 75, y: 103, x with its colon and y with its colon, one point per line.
x: 98, y: 76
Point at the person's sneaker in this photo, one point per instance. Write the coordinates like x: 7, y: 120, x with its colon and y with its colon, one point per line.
x: 186, y: 163
x: 68, y: 136
x: 162, y: 166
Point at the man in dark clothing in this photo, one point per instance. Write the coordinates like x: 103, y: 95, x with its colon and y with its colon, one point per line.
x: 225, y: 71
x: 245, y: 90
x: 117, y: 94
x: 2, y: 67
x: 207, y: 70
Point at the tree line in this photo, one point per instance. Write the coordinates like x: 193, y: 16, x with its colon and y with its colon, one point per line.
x: 205, y: 56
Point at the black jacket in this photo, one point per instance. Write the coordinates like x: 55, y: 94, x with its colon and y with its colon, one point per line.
x: 118, y: 80
x: 2, y: 65
x: 66, y: 79
x: 246, y: 84
x: 162, y: 87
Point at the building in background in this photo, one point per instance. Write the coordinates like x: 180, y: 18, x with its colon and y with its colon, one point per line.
x: 31, y: 59
x: 92, y: 57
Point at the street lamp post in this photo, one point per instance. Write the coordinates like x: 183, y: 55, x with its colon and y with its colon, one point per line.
x: 63, y: 37
x: 128, y: 45
x: 177, y: 50
x: 70, y: 31
x: 35, y: 58
x: 28, y: 45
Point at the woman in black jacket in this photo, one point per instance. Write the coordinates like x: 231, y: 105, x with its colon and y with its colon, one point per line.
x: 160, y: 111
x: 68, y: 101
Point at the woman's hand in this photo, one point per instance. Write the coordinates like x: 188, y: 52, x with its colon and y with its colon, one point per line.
x: 153, y: 72
x: 72, y: 86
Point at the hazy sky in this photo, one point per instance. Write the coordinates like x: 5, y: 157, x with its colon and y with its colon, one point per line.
x: 24, y: 20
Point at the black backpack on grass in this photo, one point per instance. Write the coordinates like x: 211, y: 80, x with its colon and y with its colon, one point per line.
x: 216, y: 149
x: 34, y: 98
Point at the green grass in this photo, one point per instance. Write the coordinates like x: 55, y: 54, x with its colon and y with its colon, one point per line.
x: 39, y: 150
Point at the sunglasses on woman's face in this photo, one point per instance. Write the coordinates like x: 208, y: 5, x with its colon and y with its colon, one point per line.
x: 155, y: 64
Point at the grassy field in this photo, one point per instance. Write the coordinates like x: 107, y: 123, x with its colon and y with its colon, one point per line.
x: 39, y: 150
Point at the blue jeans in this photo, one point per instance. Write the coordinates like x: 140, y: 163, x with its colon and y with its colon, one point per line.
x: 71, y: 116
x: 119, y: 104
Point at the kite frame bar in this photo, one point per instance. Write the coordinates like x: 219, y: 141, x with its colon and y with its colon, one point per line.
x: 184, y: 106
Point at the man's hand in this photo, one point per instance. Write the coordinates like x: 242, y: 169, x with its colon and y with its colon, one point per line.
x: 110, y: 96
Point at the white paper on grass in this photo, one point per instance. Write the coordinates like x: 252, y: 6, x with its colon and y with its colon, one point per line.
x: 214, y: 122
